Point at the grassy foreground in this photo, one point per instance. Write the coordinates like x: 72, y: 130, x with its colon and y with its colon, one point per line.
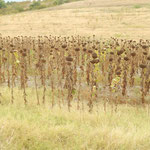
x: 34, y: 127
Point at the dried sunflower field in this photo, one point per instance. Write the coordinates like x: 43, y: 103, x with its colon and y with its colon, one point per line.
x: 82, y: 70
x: 76, y: 77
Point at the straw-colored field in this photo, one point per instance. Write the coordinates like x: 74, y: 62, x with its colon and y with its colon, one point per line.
x: 119, y: 18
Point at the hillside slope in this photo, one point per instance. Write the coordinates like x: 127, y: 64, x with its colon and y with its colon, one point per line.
x: 101, y: 3
x: 123, y: 18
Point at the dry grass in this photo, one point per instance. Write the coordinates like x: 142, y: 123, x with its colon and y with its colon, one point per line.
x: 127, y: 19
x: 101, y: 3
x: 43, y: 128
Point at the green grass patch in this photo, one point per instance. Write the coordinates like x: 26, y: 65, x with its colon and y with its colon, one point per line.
x: 138, y: 6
